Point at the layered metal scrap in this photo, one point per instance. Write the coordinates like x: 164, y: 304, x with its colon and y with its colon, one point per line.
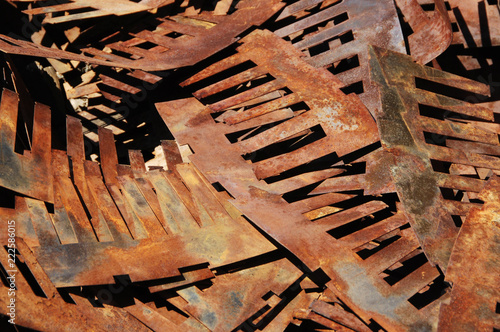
x: 317, y: 169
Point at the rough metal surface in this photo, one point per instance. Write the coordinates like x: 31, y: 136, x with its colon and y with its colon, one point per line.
x: 407, y: 116
x: 476, y: 295
x: 478, y: 22
x: 50, y: 312
x: 432, y: 33
x: 133, y: 216
x: 25, y: 173
x: 320, y: 179
x: 195, y: 39
x: 354, y: 280
x: 337, y: 36
x: 90, y: 9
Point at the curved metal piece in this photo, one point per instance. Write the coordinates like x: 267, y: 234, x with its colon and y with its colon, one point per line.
x: 475, y: 296
x: 431, y: 35
x: 478, y: 22
x: 143, y: 224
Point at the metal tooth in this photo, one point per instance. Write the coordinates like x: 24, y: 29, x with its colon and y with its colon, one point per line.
x: 99, y: 8
x: 26, y: 174
x: 334, y: 313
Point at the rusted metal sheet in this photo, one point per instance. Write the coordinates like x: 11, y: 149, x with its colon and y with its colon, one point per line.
x: 196, y: 38
x: 332, y: 315
x: 309, y: 240
x: 474, y: 268
x: 48, y: 311
x: 414, y: 123
x: 431, y: 34
x: 26, y: 173
x: 85, y: 9
x: 235, y: 296
x: 336, y: 34
x: 327, y: 103
x: 296, y: 207
x: 354, y: 280
x: 137, y: 224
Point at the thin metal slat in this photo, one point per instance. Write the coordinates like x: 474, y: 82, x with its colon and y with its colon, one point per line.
x: 201, y: 191
x: 230, y: 82
x: 372, y: 232
x: 417, y: 280
x: 215, y: 68
x: 346, y: 216
x: 302, y: 180
x: 42, y: 223
x: 141, y: 208
x: 315, y: 202
x: 262, y: 109
x: 71, y: 202
x: 394, y: 252
x: 184, y: 29
x: 177, y: 217
x: 104, y: 201
x: 248, y: 95
x: 61, y: 221
x: 312, y: 20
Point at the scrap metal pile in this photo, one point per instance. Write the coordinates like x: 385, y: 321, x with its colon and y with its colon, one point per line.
x: 250, y: 165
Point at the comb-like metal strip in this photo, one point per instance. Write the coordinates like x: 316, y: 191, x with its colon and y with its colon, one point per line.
x: 182, y: 51
x: 354, y: 280
x: 124, y: 224
x: 402, y: 129
x: 312, y: 30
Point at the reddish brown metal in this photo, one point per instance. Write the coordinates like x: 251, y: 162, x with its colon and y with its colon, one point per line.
x: 402, y: 128
x: 474, y: 268
x: 333, y: 26
x: 276, y: 146
x: 478, y: 22
x: 138, y: 223
x: 50, y: 312
x: 431, y: 35
x: 26, y: 173
x: 234, y: 297
x: 332, y: 315
x: 200, y: 36
x: 94, y: 8
x: 355, y: 281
